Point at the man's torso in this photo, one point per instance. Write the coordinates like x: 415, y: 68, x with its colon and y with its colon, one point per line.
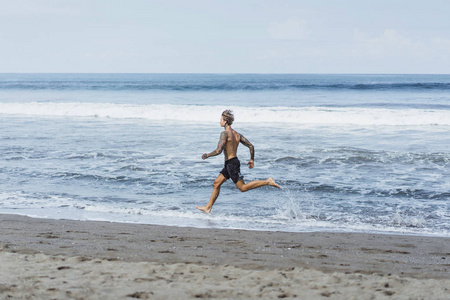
x: 230, y: 149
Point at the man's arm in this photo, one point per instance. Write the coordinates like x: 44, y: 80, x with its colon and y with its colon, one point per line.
x: 220, y: 146
x: 247, y: 143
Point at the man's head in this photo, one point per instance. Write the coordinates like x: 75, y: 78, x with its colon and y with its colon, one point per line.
x: 227, y: 117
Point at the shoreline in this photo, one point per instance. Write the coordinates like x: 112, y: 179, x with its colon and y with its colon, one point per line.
x: 314, y: 229
x: 379, y: 264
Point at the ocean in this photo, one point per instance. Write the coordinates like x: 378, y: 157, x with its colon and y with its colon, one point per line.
x: 353, y: 153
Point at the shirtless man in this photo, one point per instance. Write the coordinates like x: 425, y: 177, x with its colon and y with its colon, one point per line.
x: 228, y: 143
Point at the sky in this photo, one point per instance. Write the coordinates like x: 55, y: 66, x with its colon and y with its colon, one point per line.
x: 227, y: 36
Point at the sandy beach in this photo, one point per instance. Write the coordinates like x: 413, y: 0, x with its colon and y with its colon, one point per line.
x: 64, y: 259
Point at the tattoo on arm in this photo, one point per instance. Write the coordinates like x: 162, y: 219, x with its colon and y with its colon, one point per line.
x: 247, y: 143
x: 220, y: 145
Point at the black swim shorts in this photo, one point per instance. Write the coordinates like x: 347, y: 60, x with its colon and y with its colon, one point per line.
x: 232, y: 170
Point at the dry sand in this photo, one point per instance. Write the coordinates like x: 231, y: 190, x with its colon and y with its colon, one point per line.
x: 63, y: 259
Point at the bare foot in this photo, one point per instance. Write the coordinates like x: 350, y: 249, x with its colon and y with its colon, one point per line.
x: 205, y: 209
x: 272, y: 183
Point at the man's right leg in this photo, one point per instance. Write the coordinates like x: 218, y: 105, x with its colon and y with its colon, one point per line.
x: 244, y: 187
x: 215, y: 193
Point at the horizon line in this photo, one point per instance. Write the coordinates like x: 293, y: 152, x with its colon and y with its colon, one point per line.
x: 221, y: 73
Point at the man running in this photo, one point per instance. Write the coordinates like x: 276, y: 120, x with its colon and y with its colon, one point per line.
x: 228, y: 143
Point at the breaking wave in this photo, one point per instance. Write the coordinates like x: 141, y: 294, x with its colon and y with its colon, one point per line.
x: 208, y: 113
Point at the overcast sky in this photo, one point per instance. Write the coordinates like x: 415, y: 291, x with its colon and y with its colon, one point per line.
x: 228, y: 36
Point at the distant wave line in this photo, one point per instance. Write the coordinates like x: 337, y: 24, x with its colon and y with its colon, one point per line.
x: 220, y: 86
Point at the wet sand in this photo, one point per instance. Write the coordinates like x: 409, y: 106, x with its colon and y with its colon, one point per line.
x: 64, y: 259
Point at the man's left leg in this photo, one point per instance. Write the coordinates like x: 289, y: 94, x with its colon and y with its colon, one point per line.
x: 215, y: 193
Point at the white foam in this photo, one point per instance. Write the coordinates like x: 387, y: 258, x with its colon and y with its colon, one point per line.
x: 209, y: 113
x: 290, y: 217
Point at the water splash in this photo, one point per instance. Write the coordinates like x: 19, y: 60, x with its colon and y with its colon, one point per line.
x: 402, y: 219
x: 291, y: 207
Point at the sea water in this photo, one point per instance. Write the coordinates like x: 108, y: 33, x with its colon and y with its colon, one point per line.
x: 353, y: 153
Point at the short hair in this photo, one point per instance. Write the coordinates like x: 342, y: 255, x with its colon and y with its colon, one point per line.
x: 228, y: 116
